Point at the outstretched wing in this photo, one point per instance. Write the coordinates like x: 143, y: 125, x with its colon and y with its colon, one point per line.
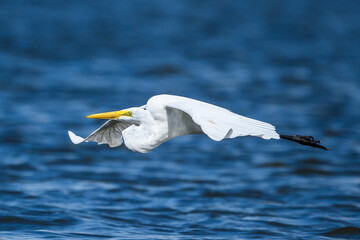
x: 110, y: 133
x: 219, y: 123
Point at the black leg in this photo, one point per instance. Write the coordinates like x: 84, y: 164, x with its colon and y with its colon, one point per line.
x: 304, y: 140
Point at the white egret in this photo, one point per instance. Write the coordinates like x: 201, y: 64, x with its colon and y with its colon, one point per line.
x: 167, y: 116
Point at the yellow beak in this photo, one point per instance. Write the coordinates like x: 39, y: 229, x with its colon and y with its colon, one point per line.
x: 111, y: 115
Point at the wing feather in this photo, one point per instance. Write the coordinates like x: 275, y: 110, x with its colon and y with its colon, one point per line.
x: 109, y: 133
x: 219, y: 123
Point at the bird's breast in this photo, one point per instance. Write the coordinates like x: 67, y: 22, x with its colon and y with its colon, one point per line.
x: 142, y: 140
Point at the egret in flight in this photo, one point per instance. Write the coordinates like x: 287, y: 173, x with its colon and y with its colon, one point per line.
x: 167, y: 116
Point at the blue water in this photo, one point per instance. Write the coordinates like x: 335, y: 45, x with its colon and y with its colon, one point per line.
x: 294, y: 64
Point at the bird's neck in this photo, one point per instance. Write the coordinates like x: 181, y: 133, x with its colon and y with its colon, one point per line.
x: 143, y: 137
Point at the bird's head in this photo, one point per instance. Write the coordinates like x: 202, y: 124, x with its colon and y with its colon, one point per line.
x: 134, y: 114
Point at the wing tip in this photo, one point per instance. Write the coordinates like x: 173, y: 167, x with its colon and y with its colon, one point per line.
x: 74, y: 138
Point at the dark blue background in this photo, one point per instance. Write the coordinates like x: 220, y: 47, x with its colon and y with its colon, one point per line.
x: 294, y: 64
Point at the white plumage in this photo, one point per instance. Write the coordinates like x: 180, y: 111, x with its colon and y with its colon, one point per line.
x: 167, y: 116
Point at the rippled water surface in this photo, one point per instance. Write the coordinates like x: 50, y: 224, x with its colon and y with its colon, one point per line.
x: 294, y: 64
